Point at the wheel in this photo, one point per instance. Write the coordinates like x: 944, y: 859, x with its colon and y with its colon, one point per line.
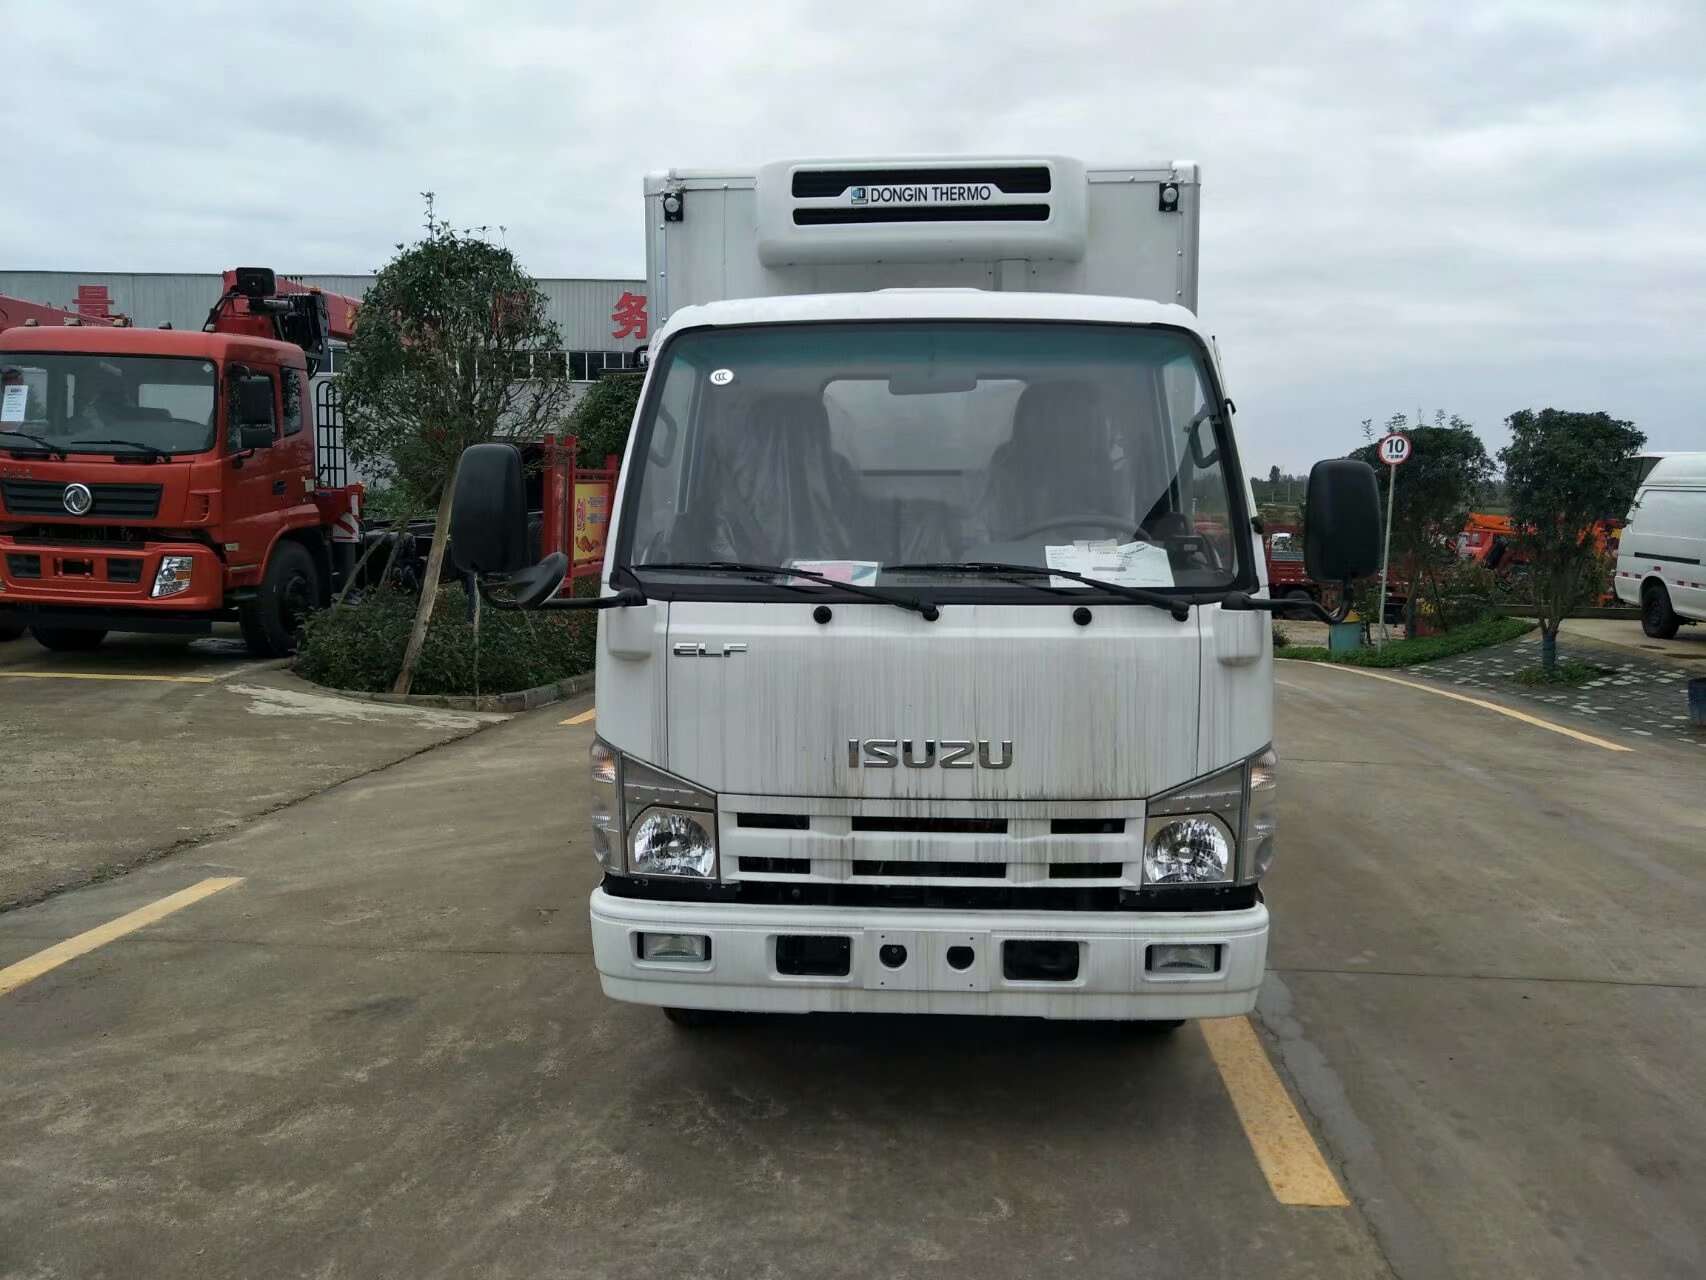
x: 69, y: 639
x: 693, y: 1019
x: 290, y: 591
x: 10, y: 631
x: 1658, y: 619
x: 1301, y: 601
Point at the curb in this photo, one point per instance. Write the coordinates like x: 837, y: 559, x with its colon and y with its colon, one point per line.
x: 522, y: 700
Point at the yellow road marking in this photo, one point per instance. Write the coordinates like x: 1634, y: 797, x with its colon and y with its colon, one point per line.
x: 1296, y: 1171
x: 32, y: 967
x: 591, y: 713
x: 94, y: 675
x: 1514, y: 714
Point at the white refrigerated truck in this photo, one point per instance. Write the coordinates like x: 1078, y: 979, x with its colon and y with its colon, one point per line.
x: 934, y: 668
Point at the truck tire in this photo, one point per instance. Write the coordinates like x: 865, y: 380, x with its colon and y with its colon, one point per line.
x: 10, y: 631
x: 1658, y: 619
x: 69, y: 639
x: 289, y: 592
x: 1301, y: 600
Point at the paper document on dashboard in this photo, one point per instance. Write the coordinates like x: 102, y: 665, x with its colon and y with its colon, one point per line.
x: 1128, y: 564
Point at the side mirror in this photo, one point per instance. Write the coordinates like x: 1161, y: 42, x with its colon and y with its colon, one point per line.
x: 488, y: 515
x: 1341, y: 533
x: 254, y: 404
x: 254, y: 436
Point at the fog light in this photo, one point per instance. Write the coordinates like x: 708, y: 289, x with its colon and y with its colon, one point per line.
x: 173, y: 576
x: 1189, y: 957
x: 692, y: 947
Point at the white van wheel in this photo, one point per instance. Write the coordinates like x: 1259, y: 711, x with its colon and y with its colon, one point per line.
x: 1658, y: 619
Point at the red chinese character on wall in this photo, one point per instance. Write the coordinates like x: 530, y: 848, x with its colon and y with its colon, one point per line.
x: 629, y: 316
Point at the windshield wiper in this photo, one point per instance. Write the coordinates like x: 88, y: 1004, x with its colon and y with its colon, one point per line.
x: 49, y: 445
x: 149, y: 449
x: 1178, y: 606
x: 765, y: 572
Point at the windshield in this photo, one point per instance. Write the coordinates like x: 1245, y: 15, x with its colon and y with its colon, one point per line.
x: 82, y: 403
x: 849, y: 449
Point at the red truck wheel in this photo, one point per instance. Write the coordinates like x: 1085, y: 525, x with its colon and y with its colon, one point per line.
x: 69, y: 639
x: 289, y: 592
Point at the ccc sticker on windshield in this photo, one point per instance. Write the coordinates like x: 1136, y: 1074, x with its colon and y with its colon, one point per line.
x: 722, y: 377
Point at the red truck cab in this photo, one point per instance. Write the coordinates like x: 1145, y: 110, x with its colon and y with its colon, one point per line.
x: 160, y: 480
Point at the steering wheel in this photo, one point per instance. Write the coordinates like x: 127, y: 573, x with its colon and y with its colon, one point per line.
x: 1119, y: 524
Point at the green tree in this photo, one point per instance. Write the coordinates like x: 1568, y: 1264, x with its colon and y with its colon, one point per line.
x: 1565, y: 472
x: 1447, y: 472
x: 439, y: 361
x: 601, y: 418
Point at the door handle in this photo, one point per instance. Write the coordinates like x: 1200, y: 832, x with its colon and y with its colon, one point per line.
x: 278, y: 487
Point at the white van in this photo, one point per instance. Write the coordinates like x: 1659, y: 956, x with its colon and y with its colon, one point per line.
x: 1661, y: 556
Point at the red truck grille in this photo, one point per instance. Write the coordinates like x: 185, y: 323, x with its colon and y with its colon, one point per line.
x: 47, y: 498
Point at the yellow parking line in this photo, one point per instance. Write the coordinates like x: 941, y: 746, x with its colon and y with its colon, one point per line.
x: 591, y: 713
x: 1296, y: 1171
x: 101, y: 675
x: 1512, y: 712
x: 32, y: 967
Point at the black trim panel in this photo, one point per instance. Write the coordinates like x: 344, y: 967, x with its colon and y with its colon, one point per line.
x: 937, y: 897
x: 1653, y: 555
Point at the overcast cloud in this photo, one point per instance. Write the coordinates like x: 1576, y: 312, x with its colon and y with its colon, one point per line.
x: 1475, y: 207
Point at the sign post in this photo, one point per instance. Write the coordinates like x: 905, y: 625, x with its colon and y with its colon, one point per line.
x: 1394, y: 449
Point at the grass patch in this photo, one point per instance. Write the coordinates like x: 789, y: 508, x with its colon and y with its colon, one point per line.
x: 1408, y: 653
x: 360, y: 646
x: 1572, y: 672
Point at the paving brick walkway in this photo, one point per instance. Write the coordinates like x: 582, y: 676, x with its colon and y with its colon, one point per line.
x: 1643, y: 697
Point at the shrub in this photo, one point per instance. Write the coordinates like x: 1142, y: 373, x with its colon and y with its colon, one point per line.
x: 360, y: 646
x: 601, y: 418
x: 1407, y: 653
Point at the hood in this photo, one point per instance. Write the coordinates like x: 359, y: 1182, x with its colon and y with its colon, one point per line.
x: 1106, y: 711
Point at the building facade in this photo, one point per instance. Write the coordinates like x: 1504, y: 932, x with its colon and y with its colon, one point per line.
x: 603, y: 322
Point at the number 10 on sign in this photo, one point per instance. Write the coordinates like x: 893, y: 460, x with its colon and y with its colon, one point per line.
x: 1394, y: 448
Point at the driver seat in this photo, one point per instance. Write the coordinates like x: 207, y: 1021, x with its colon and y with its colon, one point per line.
x: 1056, y: 464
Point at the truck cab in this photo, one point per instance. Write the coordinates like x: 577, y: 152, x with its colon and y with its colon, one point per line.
x: 934, y: 673
x: 161, y: 480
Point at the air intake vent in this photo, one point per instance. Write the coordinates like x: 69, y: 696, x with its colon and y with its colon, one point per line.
x: 897, y: 870
x: 921, y: 213
x: 934, y: 826
x: 1013, y: 180
x: 774, y: 821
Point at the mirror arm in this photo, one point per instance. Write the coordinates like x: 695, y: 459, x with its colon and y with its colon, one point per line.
x: 1239, y: 602
x: 536, y: 588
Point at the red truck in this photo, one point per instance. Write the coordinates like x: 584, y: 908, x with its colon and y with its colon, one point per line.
x: 163, y: 480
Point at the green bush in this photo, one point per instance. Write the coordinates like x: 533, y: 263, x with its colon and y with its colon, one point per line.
x: 1407, y: 653
x: 1573, y: 672
x: 601, y: 418
x: 360, y: 646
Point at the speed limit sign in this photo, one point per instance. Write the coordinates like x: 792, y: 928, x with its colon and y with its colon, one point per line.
x: 1394, y: 448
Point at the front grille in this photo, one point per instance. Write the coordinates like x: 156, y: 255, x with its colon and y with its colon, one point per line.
x: 774, y: 821
x: 888, y: 869
x: 933, y: 826
x: 1085, y: 870
x: 47, y: 498
x: 776, y: 866
x: 1013, y: 180
x: 23, y: 566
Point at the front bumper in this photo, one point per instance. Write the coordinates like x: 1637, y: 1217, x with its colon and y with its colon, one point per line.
x: 1112, y: 982
x: 54, y: 576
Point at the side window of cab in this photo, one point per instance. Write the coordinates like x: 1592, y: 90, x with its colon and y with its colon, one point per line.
x: 295, y: 393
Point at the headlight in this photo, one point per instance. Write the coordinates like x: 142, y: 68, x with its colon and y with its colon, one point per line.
x: 664, y: 825
x: 606, y: 807
x: 1262, y: 815
x: 1195, y: 831
x: 1188, y: 851
x: 673, y: 842
x: 173, y: 576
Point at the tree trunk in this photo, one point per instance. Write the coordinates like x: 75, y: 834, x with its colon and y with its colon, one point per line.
x: 429, y: 588
x: 1548, y: 646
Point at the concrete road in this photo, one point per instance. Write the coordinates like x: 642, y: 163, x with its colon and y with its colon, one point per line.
x: 1688, y: 645
x: 114, y: 757
x: 384, y: 1051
